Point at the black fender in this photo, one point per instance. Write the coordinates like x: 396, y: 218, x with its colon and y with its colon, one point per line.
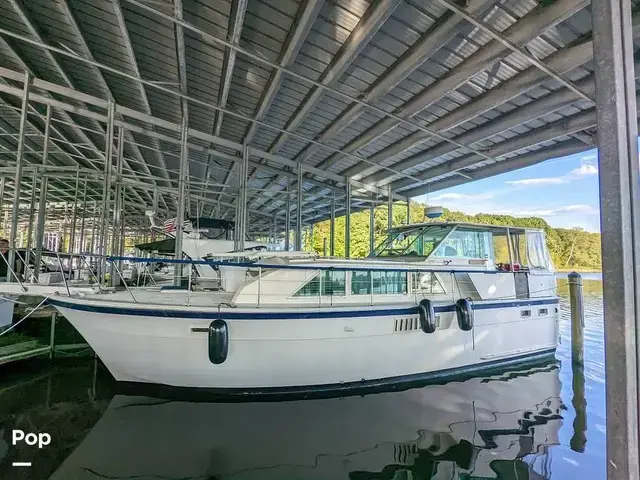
x: 427, y: 316
x: 218, y: 341
x: 464, y: 312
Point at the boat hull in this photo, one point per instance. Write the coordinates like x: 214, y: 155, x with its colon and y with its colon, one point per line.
x: 307, y: 350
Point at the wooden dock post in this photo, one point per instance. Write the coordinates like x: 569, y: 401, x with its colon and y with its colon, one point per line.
x: 52, y: 338
x: 577, y: 318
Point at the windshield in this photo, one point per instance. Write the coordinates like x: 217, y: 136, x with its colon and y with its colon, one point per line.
x: 417, y: 242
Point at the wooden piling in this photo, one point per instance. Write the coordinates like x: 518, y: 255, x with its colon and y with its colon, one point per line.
x: 577, y: 318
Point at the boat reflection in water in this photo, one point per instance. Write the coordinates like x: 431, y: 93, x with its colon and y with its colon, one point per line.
x: 491, y: 427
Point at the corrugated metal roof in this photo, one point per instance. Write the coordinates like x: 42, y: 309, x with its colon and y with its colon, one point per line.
x: 353, y: 47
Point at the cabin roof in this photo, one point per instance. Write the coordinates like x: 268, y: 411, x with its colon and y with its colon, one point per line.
x: 466, y: 225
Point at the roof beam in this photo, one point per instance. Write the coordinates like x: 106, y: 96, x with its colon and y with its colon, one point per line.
x: 307, y: 14
x: 560, y: 150
x: 424, y: 48
x: 234, y: 30
x: 18, y: 8
x: 538, y: 20
x: 74, y: 25
x: 375, y: 16
x: 124, y: 32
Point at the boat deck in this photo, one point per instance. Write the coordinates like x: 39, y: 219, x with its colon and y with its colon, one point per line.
x: 156, y: 296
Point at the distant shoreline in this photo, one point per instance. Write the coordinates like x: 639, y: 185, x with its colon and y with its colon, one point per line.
x: 569, y: 270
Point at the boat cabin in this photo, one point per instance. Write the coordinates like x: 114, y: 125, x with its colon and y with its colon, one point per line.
x: 475, y: 246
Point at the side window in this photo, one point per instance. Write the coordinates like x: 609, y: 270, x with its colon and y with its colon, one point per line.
x: 361, y: 283
x: 427, y: 283
x: 389, y: 282
x: 333, y: 283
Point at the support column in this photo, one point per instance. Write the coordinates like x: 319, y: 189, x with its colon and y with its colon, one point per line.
x: 287, y: 219
x: 241, y: 220
x: 81, y: 248
x: 42, y: 213
x: 372, y: 221
x: 408, y: 211
x: 347, y: 221
x: 389, y: 209
x: 182, y: 184
x: 332, y: 225
x: 117, y: 209
x: 103, y: 237
x: 299, y: 210
x: 32, y: 212
x: 74, y: 215
x: 18, y: 177
x: 620, y: 221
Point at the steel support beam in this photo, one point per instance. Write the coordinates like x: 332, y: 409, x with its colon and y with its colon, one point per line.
x: 18, y: 175
x: 372, y: 224
x: 234, y: 30
x: 347, y: 223
x: 389, y: 210
x: 42, y: 213
x: 182, y: 187
x: 300, y: 193
x: 287, y: 218
x: 620, y: 220
x: 332, y: 226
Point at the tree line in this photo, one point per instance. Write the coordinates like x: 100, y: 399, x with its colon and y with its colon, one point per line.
x: 571, y: 249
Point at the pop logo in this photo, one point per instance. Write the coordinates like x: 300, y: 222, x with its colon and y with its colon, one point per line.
x: 31, y: 439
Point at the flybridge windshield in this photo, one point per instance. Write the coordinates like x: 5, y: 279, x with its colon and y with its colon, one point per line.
x: 418, y: 242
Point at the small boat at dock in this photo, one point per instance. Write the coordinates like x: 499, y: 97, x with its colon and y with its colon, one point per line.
x: 435, y: 300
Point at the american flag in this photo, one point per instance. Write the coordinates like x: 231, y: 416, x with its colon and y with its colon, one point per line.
x: 169, y: 225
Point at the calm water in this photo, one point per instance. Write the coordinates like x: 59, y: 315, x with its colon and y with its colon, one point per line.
x: 518, y: 425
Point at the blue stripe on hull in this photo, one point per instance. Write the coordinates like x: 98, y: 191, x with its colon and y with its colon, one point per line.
x: 537, y: 359
x: 297, y: 315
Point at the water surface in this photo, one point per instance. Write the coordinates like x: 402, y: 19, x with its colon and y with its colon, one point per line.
x: 536, y: 423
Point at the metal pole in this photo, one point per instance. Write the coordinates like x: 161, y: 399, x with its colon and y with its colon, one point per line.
x: 18, y: 176
x: 182, y: 183
x: 74, y: 215
x: 42, y: 213
x: 408, y: 211
x: 2, y: 185
x: 347, y: 222
x: 82, y: 220
x: 619, y: 215
x: 287, y: 218
x: 299, y: 210
x: 242, y: 198
x: 332, y: 225
x: 390, y: 209
x: 324, y: 247
x: 32, y: 211
x: 372, y: 219
x: 106, y: 199
x: 117, y: 207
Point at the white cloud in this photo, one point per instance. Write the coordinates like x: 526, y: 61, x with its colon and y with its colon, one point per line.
x: 538, y: 181
x: 462, y: 196
x: 584, y: 170
x: 551, y: 212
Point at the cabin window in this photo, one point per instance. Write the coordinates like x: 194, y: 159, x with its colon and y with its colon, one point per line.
x: 389, y: 282
x: 332, y: 282
x: 465, y: 244
x: 360, y: 283
x: 382, y: 283
x: 427, y: 283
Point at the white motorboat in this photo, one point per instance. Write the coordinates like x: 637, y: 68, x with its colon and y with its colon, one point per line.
x: 435, y: 300
x: 501, y: 426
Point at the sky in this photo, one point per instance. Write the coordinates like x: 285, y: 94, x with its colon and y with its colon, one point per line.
x: 564, y: 191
